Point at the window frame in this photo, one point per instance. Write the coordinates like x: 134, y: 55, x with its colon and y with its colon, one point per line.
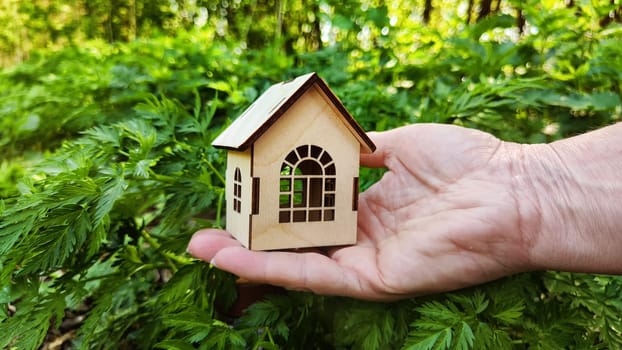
x: 307, y: 176
x: 237, y: 190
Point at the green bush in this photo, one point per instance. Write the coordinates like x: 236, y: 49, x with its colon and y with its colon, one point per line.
x: 107, y: 170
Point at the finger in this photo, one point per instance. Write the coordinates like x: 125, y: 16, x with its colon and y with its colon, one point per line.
x: 298, y: 271
x: 205, y: 244
x: 382, y: 140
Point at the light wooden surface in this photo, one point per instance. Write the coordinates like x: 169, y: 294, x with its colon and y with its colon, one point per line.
x: 310, y: 121
x: 275, y: 101
x: 238, y: 224
x: 255, y: 116
x: 300, y: 112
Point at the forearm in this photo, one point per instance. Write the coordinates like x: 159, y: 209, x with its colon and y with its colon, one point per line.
x: 572, y: 202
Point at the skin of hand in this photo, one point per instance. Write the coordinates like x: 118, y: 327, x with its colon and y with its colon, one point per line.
x: 576, y: 191
x: 456, y: 207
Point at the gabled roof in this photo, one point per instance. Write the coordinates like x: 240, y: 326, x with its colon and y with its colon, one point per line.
x: 272, y: 104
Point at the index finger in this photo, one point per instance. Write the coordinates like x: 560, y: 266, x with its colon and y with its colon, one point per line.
x: 297, y: 271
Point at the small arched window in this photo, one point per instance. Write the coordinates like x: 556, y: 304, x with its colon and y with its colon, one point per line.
x: 237, y: 190
x: 307, y: 186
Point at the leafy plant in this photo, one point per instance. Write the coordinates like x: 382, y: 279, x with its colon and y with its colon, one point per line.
x: 106, y: 171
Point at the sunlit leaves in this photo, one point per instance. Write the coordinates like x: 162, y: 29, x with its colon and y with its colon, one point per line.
x: 107, y: 170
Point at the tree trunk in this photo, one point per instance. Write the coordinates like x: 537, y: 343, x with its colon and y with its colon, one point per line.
x: 132, y: 21
x: 469, y: 11
x: 484, y: 9
x: 520, y: 21
x: 317, y: 30
x: 427, y: 11
x: 612, y: 16
x: 279, y: 19
x: 109, y: 21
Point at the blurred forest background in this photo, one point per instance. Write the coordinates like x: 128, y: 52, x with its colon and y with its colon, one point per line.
x: 108, y: 108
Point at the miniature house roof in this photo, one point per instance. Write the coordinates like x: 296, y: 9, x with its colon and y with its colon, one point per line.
x: 272, y: 104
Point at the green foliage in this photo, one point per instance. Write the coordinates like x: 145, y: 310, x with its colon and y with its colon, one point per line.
x: 106, y: 171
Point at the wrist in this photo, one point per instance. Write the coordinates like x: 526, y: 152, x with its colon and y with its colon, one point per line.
x: 541, y: 184
x: 568, y: 196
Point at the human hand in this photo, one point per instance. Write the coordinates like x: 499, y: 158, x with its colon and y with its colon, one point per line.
x: 444, y: 216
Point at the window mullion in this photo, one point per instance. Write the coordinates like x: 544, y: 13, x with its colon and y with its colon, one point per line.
x: 308, y: 197
x: 292, y: 185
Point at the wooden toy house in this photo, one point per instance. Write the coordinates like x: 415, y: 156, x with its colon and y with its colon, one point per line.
x: 292, y: 168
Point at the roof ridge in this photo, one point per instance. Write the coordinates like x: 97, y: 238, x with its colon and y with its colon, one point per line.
x: 273, y: 104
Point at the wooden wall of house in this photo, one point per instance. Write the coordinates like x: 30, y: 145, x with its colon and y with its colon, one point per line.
x: 310, y: 121
x: 238, y: 223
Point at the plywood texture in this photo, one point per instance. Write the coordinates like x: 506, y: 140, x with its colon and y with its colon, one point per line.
x: 309, y: 121
x: 271, y: 105
x: 294, y: 115
x: 238, y: 224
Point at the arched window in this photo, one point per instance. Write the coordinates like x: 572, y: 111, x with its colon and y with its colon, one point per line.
x: 237, y: 190
x: 307, y: 186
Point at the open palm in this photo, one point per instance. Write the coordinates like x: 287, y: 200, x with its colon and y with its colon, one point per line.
x: 443, y: 216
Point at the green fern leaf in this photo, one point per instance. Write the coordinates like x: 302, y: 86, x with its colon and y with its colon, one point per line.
x: 464, y: 337
x: 436, y: 341
x: 174, y: 344
x: 511, y: 315
x: 111, y: 191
